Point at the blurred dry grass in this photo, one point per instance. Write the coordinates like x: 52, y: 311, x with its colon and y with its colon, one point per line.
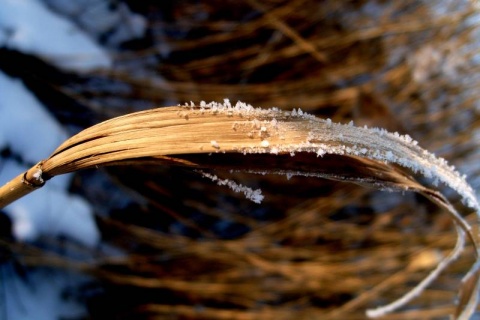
x: 314, y: 249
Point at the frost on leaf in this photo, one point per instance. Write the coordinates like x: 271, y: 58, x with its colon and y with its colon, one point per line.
x: 298, y: 132
x: 253, y: 195
x: 242, y: 129
x: 326, y: 137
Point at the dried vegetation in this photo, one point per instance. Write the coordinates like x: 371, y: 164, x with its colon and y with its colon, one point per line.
x: 314, y: 248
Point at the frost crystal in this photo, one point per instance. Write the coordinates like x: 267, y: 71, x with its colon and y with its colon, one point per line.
x: 253, y: 195
x: 326, y: 137
x: 38, y: 175
x: 274, y: 150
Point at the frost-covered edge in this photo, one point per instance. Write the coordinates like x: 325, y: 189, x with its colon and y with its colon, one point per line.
x: 372, y: 143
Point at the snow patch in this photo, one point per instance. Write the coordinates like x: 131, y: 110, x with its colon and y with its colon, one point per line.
x: 30, y: 27
x: 27, y: 127
x: 32, y: 134
x: 100, y: 19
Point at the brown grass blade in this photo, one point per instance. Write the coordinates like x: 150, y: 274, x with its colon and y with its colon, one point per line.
x: 266, y: 141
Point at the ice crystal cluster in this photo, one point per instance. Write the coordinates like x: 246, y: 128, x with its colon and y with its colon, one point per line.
x: 273, y: 129
x: 253, y: 195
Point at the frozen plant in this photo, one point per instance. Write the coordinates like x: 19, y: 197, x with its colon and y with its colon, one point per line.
x: 167, y: 134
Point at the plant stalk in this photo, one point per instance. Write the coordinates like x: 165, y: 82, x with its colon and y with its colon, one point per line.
x: 22, y: 185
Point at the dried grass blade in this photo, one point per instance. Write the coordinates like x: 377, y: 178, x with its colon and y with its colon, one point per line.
x: 183, y: 132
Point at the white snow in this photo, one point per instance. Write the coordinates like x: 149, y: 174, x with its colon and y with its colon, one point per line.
x: 101, y: 17
x: 26, y: 127
x: 25, y: 123
x: 28, y: 26
x: 32, y: 134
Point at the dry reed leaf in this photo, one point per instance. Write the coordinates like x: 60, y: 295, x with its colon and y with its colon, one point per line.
x: 267, y: 141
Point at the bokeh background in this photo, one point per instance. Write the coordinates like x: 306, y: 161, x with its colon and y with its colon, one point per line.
x: 163, y: 242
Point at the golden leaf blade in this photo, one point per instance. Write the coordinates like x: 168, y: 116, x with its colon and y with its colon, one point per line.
x: 249, y: 137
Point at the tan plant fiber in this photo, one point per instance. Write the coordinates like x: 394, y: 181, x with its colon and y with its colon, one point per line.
x: 363, y: 155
